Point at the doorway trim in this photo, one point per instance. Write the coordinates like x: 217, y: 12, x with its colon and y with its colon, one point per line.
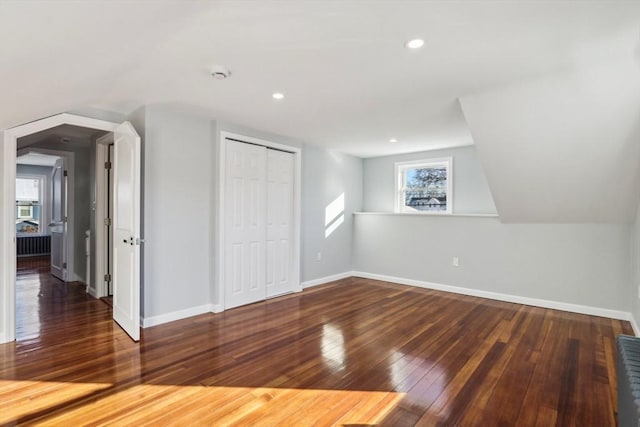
x: 102, y: 145
x: 7, y: 221
x: 219, y: 305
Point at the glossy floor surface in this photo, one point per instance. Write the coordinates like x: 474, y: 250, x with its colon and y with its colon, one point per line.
x: 354, y: 352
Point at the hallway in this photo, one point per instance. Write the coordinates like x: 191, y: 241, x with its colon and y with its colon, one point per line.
x: 45, y: 304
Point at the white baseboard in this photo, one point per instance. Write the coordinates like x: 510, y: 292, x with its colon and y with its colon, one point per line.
x: 326, y: 279
x: 176, y: 315
x: 216, y: 308
x: 556, y: 305
x: 91, y: 291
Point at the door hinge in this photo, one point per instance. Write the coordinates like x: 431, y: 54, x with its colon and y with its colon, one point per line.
x: 107, y: 165
x: 107, y: 221
x: 64, y: 265
x: 65, y: 173
x: 107, y: 277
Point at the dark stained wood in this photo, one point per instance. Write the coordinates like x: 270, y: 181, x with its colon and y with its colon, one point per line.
x: 353, y: 352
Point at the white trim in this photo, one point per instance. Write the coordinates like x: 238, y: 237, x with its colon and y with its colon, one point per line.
x: 326, y: 279
x: 100, y: 243
x: 479, y: 215
x: 297, y: 191
x: 556, y: 305
x: 399, y: 167
x: 61, y: 119
x: 176, y: 315
x: 634, y: 325
x: 7, y: 222
x: 217, y: 308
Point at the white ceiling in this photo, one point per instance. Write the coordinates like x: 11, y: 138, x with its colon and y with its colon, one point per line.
x: 349, y: 83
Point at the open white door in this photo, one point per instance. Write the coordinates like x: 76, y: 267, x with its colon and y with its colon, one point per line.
x: 126, y: 229
x: 58, y: 225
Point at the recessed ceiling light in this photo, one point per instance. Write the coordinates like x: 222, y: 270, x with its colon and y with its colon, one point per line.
x: 393, y: 140
x: 220, y: 72
x: 278, y: 95
x: 415, y: 44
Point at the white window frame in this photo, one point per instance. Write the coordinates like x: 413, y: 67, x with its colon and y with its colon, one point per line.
x: 43, y: 189
x: 29, y: 207
x: 400, y: 184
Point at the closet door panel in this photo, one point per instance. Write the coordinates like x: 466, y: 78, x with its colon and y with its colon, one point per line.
x: 280, y: 176
x: 245, y: 227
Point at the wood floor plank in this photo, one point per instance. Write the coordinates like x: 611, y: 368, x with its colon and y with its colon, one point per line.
x: 352, y: 352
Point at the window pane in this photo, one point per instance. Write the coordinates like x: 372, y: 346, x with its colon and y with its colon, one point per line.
x: 27, y: 205
x: 426, y: 188
x: 28, y: 189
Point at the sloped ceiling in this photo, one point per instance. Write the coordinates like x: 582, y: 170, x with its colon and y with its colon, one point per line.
x: 548, y: 88
x: 564, y: 147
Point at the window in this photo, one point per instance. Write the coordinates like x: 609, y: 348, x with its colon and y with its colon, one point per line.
x: 424, y: 186
x: 28, y: 205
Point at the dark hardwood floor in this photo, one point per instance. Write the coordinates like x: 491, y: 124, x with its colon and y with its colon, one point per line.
x: 353, y: 352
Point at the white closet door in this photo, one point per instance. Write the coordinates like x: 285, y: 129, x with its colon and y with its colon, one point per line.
x: 245, y: 232
x: 279, y: 222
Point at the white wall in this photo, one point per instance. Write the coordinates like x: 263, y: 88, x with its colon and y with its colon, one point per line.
x: 177, y: 168
x: 568, y: 139
x: 471, y: 192
x: 180, y: 177
x: 584, y: 264
x: 327, y: 175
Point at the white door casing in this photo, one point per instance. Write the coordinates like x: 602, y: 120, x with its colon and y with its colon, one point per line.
x: 7, y: 209
x: 245, y: 223
x: 58, y: 225
x: 220, y: 260
x: 280, y: 176
x: 126, y: 229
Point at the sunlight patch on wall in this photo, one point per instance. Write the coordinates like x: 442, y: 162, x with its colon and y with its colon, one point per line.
x: 334, y: 215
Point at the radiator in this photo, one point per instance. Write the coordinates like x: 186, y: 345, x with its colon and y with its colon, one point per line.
x: 628, y: 381
x: 33, y: 245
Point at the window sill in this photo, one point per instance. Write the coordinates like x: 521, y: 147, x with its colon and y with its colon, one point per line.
x: 479, y: 215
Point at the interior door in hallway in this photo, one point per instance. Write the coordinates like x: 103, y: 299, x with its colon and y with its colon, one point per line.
x: 58, y: 225
x: 279, y: 222
x: 245, y: 232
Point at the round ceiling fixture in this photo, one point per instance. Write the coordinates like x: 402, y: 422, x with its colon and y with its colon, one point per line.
x: 415, y: 44
x: 393, y: 140
x: 220, y: 72
x: 278, y: 95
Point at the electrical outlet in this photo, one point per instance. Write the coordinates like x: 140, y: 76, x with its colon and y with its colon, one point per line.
x: 319, y: 256
x: 455, y: 262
